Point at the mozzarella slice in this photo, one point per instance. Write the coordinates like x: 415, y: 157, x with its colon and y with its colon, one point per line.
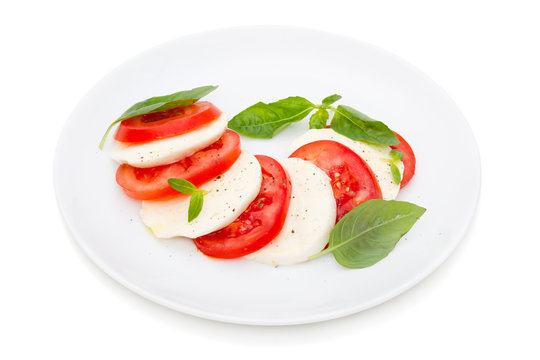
x: 169, y: 150
x: 373, y: 155
x: 310, y: 218
x: 229, y: 195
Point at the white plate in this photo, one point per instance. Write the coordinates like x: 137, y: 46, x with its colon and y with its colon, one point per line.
x: 265, y: 64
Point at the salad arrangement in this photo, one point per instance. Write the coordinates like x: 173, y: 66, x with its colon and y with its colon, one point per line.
x: 334, y: 194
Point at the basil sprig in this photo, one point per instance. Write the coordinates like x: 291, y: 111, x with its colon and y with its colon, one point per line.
x: 369, y: 232
x: 265, y: 120
x: 161, y: 103
x: 396, y: 155
x: 197, y: 196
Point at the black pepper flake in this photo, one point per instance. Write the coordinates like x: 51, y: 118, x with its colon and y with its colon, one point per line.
x: 292, y: 231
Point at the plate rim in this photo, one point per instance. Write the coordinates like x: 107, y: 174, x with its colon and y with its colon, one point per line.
x: 305, y: 319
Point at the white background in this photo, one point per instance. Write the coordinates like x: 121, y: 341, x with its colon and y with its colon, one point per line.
x: 484, y: 301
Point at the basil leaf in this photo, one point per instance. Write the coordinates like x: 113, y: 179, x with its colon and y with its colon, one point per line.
x: 183, y: 186
x: 396, y: 154
x: 329, y: 100
x: 161, y: 103
x: 264, y: 120
x: 395, y: 173
x: 197, y: 196
x: 195, y: 205
x: 166, y: 102
x: 357, y: 126
x: 318, y: 119
x: 369, y: 232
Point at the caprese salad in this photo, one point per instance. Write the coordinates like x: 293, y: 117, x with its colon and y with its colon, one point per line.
x: 334, y: 193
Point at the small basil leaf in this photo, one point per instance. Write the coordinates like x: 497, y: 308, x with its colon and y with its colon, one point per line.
x: 359, y: 244
x: 357, y: 126
x: 396, y: 154
x: 318, y: 119
x: 395, y: 173
x: 161, y: 103
x: 195, y: 205
x: 183, y: 186
x: 331, y: 99
x: 264, y: 120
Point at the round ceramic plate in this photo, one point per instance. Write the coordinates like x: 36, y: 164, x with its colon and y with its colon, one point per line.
x: 266, y: 64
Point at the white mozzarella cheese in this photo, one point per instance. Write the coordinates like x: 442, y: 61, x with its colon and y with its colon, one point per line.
x: 310, y: 218
x: 228, y: 196
x: 373, y: 155
x: 169, y: 150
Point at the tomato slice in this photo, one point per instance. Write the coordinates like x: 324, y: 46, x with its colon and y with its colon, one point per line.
x: 164, y: 124
x: 259, y: 223
x: 203, y: 166
x: 409, y: 160
x: 351, y: 178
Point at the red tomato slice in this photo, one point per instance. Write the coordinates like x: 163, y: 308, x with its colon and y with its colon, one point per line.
x: 409, y: 160
x: 164, y: 124
x: 352, y: 180
x: 203, y: 166
x: 260, y: 223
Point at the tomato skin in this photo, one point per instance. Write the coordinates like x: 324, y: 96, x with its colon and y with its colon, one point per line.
x: 352, y: 180
x: 164, y: 124
x: 203, y: 166
x: 409, y: 160
x: 260, y: 223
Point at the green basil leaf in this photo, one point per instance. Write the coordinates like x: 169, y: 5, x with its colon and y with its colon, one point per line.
x: 318, y: 119
x: 329, y: 100
x: 369, y: 232
x: 264, y: 120
x: 183, y: 186
x: 162, y: 103
x: 396, y: 154
x: 197, y: 196
x: 166, y: 102
x: 195, y: 205
x: 395, y: 173
x: 357, y: 126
